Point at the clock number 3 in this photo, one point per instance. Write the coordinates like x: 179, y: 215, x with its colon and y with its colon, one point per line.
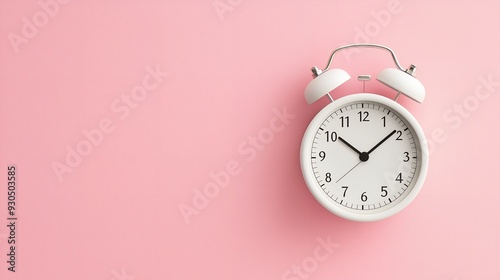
x: 407, y: 157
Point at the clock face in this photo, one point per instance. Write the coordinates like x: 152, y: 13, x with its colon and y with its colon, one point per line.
x: 363, y: 157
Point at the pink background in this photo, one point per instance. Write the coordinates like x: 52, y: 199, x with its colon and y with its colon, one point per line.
x: 231, y: 65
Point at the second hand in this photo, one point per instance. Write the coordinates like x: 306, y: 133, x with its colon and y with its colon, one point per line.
x: 348, y: 171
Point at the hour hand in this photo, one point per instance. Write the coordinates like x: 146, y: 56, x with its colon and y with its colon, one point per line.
x: 349, y: 145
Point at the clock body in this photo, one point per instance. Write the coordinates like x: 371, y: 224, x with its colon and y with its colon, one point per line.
x: 364, y: 157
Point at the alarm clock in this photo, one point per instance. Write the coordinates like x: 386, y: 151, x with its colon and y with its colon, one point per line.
x: 364, y: 157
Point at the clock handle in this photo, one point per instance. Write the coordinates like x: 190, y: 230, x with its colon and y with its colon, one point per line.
x: 402, y: 80
x: 317, y: 71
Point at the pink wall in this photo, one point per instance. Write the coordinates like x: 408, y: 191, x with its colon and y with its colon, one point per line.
x: 119, y: 115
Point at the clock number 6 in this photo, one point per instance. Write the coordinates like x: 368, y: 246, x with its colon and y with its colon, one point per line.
x: 364, y: 197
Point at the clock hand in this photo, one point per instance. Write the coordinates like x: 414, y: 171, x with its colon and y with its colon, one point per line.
x: 363, y: 156
x: 382, y: 141
x: 349, y: 171
x: 349, y: 145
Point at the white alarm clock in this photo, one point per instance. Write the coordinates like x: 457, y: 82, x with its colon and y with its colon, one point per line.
x: 364, y: 157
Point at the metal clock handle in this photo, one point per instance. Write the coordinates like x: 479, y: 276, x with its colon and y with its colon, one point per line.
x: 411, y: 70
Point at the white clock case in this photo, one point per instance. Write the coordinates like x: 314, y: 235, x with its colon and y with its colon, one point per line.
x: 322, y: 197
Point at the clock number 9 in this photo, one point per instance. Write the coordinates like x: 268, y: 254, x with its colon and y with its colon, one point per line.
x: 322, y: 155
x: 331, y: 136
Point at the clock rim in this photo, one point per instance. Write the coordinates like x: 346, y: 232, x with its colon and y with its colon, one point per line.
x: 306, y: 165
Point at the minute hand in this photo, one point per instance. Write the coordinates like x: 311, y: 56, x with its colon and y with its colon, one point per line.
x: 382, y: 141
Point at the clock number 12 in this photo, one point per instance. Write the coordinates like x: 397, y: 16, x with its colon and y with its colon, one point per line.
x: 363, y: 116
